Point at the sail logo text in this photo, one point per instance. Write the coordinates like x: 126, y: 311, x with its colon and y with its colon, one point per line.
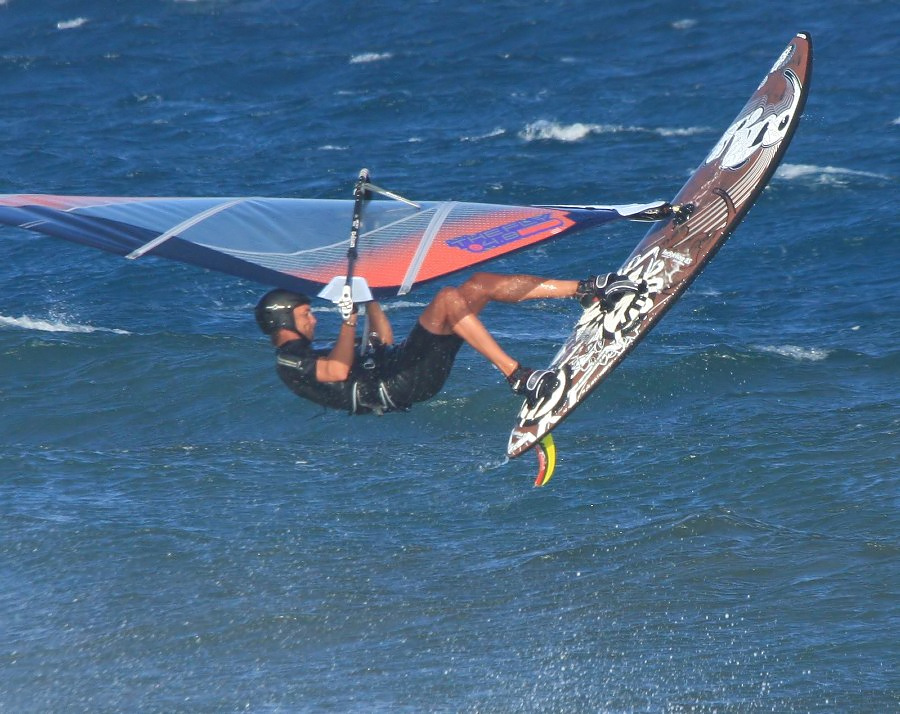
x: 544, y: 224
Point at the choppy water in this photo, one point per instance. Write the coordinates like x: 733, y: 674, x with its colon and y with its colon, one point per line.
x: 179, y: 533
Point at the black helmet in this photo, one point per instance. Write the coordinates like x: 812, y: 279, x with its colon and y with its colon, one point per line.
x: 275, y: 310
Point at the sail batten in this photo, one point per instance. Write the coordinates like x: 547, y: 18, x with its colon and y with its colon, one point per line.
x: 431, y: 232
x: 183, y: 226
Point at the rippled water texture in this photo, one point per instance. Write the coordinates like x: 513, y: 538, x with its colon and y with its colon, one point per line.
x: 180, y: 533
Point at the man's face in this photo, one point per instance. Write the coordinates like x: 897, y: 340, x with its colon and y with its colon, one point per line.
x: 305, y: 321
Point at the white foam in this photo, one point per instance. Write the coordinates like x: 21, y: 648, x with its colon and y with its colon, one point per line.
x: 71, y: 24
x: 685, y: 24
x: 404, y: 304
x: 801, y: 354
x: 833, y: 175
x: 544, y: 130
x: 53, y: 325
x: 490, y: 135
x: 367, y: 57
x: 687, y: 131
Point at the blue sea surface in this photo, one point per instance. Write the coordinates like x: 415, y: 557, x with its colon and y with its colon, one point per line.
x: 179, y: 533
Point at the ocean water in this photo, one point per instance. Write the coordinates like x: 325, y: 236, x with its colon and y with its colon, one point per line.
x: 179, y: 533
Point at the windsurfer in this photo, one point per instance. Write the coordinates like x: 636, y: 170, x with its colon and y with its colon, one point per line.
x: 392, y: 377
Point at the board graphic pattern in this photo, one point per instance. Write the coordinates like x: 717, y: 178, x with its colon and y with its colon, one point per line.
x: 672, y: 254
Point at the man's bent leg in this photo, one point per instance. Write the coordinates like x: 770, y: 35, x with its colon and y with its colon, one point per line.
x: 486, y: 287
x: 451, y: 304
x: 456, y: 310
x: 452, y: 312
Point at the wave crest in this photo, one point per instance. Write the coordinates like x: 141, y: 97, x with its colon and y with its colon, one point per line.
x: 54, y: 325
x: 545, y: 130
x: 829, y: 175
x: 70, y: 24
x: 801, y: 354
x: 366, y: 57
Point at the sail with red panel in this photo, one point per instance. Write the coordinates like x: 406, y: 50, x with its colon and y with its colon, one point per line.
x: 302, y: 244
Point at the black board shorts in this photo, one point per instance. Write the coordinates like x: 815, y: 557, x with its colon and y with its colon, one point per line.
x: 417, y: 368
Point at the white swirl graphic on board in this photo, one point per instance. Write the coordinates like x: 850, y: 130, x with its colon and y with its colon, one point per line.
x: 760, y: 128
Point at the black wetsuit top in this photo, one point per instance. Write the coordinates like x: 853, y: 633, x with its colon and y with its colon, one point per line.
x: 388, y: 378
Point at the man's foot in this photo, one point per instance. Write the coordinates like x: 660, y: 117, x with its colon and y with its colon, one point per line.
x: 533, y: 384
x: 606, y: 289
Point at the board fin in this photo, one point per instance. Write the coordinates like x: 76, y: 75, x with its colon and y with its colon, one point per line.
x: 546, y: 454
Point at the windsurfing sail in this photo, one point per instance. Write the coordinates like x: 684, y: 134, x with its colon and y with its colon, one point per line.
x: 301, y: 244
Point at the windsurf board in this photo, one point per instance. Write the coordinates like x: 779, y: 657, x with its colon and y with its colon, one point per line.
x: 707, y: 209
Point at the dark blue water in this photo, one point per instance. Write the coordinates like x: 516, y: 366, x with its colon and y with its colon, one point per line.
x: 179, y: 533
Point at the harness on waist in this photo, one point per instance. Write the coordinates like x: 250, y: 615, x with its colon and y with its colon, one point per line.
x: 369, y: 392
